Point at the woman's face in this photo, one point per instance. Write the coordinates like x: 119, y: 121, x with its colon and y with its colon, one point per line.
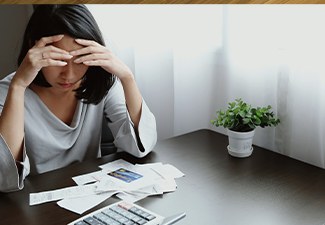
x: 66, y: 78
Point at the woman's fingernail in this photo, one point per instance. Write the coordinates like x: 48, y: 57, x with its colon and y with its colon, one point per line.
x: 77, y: 60
x: 73, y: 52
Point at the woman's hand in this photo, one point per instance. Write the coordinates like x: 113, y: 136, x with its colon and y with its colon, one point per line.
x: 94, y: 54
x: 40, y: 55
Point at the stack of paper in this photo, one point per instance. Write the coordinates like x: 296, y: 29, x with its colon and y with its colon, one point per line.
x: 129, y: 182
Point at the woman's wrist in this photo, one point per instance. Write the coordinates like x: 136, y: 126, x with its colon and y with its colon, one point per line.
x: 16, y: 87
x: 127, y: 78
x: 17, y: 84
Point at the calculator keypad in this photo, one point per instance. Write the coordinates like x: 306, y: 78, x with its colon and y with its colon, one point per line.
x: 123, y: 214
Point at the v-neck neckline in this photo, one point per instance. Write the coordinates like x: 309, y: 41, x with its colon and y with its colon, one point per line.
x: 76, y: 115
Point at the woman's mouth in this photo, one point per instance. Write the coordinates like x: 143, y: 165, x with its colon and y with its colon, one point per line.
x: 66, y: 85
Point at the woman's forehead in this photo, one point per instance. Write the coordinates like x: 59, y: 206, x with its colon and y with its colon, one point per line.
x: 67, y: 43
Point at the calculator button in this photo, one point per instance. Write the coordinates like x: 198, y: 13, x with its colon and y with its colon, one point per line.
x: 81, y: 223
x: 92, y: 221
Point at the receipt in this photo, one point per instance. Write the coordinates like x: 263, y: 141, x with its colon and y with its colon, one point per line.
x: 82, y: 204
x: 70, y: 192
x: 121, y: 178
x: 107, y: 185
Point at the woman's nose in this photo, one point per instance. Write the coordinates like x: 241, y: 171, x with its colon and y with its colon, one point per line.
x: 68, y: 70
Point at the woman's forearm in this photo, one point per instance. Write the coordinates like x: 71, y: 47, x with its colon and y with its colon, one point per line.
x: 133, y: 99
x: 12, y: 120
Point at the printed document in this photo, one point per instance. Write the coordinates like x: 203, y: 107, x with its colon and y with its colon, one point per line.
x: 127, y: 181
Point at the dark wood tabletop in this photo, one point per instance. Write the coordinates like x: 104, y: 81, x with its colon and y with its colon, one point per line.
x: 265, y: 189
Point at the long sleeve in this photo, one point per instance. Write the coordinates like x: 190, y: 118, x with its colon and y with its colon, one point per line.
x: 122, y: 127
x: 10, y: 180
x: 51, y: 144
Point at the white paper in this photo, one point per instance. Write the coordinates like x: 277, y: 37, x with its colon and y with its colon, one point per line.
x: 131, y: 198
x: 69, y: 192
x: 82, y: 204
x: 148, y: 179
x: 86, y: 178
x: 165, y: 186
x: 117, y: 164
x: 157, y: 179
x: 168, y: 171
x: 108, y: 184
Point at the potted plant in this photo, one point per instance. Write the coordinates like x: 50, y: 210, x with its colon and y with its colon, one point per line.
x: 241, y: 120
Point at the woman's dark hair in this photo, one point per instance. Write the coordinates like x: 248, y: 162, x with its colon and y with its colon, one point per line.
x: 77, y: 22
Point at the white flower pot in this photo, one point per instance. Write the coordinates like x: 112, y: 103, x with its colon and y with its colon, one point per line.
x: 240, y: 143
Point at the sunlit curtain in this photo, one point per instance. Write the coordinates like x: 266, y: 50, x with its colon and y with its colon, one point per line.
x: 274, y: 55
x: 191, y: 60
x: 171, y: 50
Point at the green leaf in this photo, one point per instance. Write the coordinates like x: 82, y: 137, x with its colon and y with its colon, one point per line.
x: 236, y: 110
x: 220, y: 112
x: 237, y: 122
x: 257, y: 121
x: 251, y: 126
x: 246, y: 121
x: 248, y: 108
x: 232, y: 124
x: 242, y: 114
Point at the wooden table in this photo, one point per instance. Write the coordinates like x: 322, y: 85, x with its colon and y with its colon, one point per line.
x: 265, y: 189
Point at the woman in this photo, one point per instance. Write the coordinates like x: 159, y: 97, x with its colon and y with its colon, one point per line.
x: 51, y: 107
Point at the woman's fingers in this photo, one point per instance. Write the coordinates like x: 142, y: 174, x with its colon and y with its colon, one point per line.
x: 59, y: 55
x: 87, y: 42
x: 94, y: 54
x: 91, y: 57
x: 88, y: 50
x: 49, y: 49
x: 90, y: 47
x: 51, y: 62
x: 48, y: 40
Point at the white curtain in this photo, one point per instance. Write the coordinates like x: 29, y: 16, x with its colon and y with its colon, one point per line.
x: 275, y: 55
x: 191, y: 60
x: 171, y: 50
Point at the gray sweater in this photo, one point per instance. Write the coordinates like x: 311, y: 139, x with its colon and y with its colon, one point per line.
x: 51, y: 144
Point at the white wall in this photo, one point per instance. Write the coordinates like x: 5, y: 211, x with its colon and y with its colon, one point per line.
x: 13, y: 20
